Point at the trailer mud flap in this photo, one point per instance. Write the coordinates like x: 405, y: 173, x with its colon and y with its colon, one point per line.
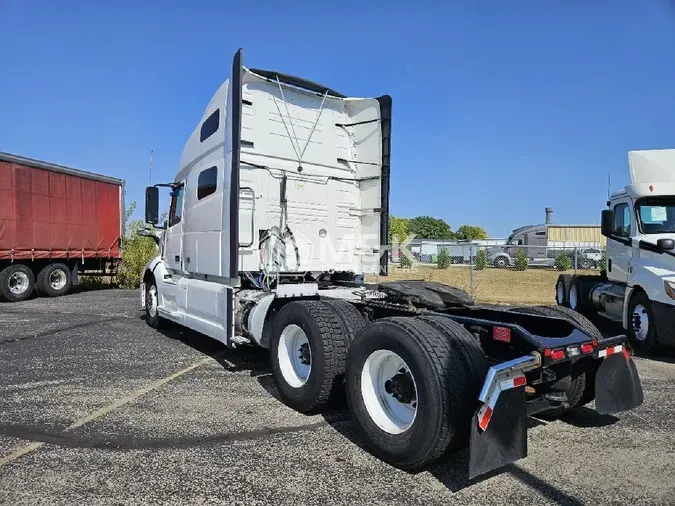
x: 617, y: 385
x: 505, y: 438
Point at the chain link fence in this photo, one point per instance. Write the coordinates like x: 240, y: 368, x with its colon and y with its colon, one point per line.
x: 516, y: 275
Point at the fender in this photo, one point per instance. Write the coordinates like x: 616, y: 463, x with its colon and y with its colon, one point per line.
x: 155, y: 267
x: 630, y: 290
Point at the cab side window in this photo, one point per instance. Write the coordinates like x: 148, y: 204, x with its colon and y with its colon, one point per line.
x: 207, y: 183
x: 622, y: 226
x: 176, y: 208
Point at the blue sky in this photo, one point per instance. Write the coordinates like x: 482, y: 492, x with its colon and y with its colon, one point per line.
x: 500, y: 108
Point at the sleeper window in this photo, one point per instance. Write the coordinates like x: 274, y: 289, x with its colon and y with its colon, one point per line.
x: 208, y: 182
x: 210, y: 126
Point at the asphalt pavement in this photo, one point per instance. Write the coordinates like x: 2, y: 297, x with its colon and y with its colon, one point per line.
x: 98, y: 408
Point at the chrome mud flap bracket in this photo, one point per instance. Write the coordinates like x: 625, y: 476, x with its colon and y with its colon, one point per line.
x: 499, y: 427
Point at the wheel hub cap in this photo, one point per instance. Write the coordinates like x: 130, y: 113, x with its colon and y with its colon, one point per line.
x: 151, y: 300
x: 18, y: 282
x: 640, y: 322
x: 573, y: 297
x: 401, y: 387
x: 57, y: 279
x: 295, y: 356
x: 389, y: 391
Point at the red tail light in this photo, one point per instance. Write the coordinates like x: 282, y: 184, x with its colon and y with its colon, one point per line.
x: 557, y: 354
x: 586, y: 348
x: 594, y: 342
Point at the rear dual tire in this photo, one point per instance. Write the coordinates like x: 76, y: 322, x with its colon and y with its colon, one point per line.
x: 411, y: 389
x: 17, y: 283
x: 54, y: 280
x: 308, y: 353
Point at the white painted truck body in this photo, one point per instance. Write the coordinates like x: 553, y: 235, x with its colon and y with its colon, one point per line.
x: 644, y: 213
x: 305, y: 193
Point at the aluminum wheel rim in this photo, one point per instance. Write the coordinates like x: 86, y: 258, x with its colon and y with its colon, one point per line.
x: 574, y: 297
x: 640, y: 322
x: 560, y: 294
x: 18, y: 282
x: 57, y: 279
x: 151, y: 300
x: 389, y: 412
x: 295, y: 356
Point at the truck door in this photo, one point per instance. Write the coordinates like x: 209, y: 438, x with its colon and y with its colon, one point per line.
x: 174, y: 231
x: 620, y: 252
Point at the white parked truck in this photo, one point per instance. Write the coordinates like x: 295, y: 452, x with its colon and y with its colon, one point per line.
x: 638, y: 286
x: 278, y: 211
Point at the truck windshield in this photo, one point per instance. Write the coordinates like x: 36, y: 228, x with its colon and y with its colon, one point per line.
x: 657, y: 215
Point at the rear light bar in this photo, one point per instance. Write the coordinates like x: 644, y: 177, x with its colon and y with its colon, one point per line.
x: 557, y: 354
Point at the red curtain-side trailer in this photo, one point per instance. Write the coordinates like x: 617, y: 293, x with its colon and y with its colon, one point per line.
x: 54, y: 221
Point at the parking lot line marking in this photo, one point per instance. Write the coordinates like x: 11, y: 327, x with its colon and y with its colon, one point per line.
x: 135, y: 395
x: 23, y: 451
x: 107, y: 409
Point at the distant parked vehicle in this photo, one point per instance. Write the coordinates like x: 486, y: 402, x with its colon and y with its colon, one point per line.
x: 55, y: 222
x: 589, y: 258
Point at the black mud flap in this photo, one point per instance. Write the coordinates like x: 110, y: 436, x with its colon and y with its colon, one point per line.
x: 505, y: 439
x: 617, y: 385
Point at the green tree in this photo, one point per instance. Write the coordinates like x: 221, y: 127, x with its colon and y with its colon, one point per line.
x: 563, y: 262
x: 481, y: 260
x: 405, y: 259
x: 470, y: 233
x: 398, y: 229
x: 443, y: 260
x: 427, y: 227
x: 521, y: 261
x: 136, y: 251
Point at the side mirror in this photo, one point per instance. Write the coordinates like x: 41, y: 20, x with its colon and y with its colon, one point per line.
x: 152, y: 205
x: 607, y: 222
x: 666, y: 244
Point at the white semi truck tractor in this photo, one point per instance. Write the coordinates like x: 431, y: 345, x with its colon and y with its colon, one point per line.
x: 278, y: 211
x: 637, y: 286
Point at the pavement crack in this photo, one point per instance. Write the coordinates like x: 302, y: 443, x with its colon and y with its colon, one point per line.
x: 59, y: 330
x: 68, y: 440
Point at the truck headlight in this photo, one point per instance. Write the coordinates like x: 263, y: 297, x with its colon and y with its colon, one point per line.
x: 670, y: 288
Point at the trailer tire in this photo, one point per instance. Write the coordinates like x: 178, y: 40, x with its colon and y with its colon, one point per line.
x: 17, y: 283
x: 641, y: 316
x: 307, y: 377
x: 405, y: 361
x: 562, y: 290
x: 54, y: 280
x: 351, y: 318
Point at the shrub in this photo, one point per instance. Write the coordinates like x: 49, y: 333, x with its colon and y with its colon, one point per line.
x: 443, y: 261
x: 136, y: 251
x: 563, y: 262
x: 405, y: 259
x: 481, y: 260
x: 521, y: 261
